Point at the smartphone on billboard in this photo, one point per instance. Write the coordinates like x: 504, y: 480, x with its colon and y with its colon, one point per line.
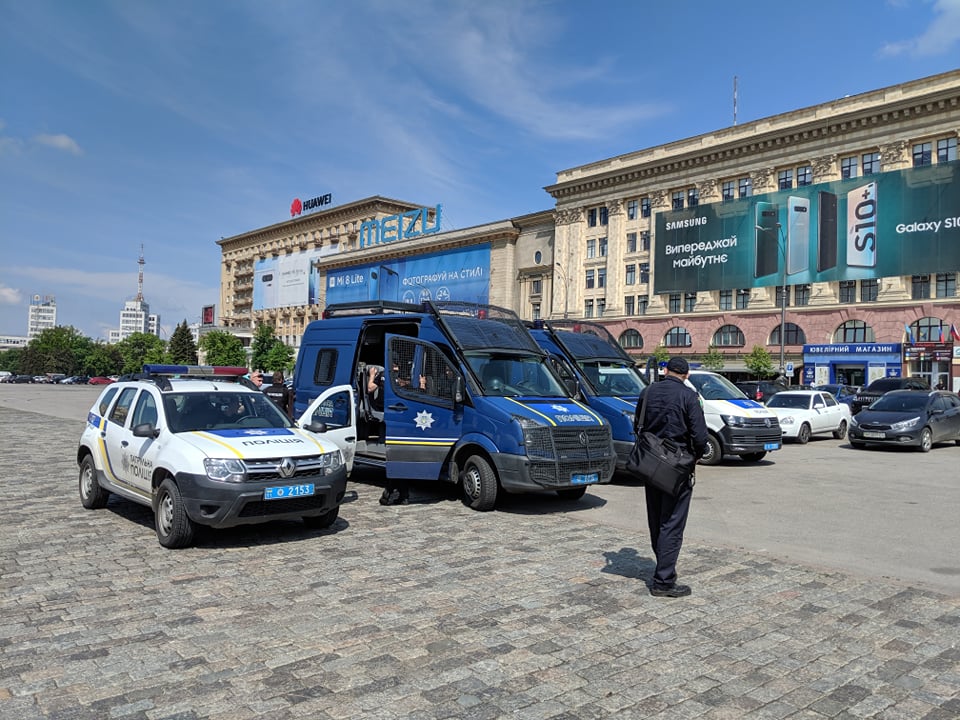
x: 827, y: 232
x: 766, y: 239
x: 862, y: 226
x: 798, y: 235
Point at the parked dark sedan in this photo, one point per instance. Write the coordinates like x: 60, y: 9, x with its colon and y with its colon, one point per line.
x: 760, y: 390
x: 22, y: 379
x: 914, y: 418
x: 843, y: 393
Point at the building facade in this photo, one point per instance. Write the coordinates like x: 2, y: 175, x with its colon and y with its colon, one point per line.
x: 135, y: 318
x: 41, y: 315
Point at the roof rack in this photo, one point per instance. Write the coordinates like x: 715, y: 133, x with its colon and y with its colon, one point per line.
x: 371, y: 307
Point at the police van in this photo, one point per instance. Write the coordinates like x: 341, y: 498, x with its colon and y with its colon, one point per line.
x: 456, y: 392
x: 605, y: 375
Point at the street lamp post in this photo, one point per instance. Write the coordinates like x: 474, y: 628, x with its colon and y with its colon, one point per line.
x: 566, y: 287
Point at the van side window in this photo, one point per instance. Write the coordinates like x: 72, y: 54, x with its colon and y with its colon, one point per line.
x: 120, y: 411
x: 420, y: 370
x: 325, y: 367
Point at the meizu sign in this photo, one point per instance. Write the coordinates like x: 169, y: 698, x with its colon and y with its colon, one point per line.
x: 904, y: 222
x: 408, y: 225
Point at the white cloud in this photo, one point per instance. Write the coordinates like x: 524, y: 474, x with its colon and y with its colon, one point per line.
x: 10, y: 296
x: 941, y: 34
x: 59, y: 142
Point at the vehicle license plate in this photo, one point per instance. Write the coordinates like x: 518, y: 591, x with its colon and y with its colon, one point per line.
x: 287, y: 491
x: 874, y: 434
x: 585, y: 479
x: 771, y: 446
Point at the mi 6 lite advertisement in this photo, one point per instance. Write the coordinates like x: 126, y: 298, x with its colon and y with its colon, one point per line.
x: 903, y: 222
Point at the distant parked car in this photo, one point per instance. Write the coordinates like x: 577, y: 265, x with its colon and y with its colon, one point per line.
x: 914, y: 418
x: 99, y: 380
x: 760, y: 390
x: 878, y: 387
x: 843, y: 393
x: 803, y: 413
x: 22, y: 379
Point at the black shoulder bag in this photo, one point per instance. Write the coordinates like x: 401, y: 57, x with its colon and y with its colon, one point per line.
x: 660, y: 463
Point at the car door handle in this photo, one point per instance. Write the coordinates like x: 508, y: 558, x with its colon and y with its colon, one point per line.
x: 350, y: 439
x: 124, y: 443
x: 397, y: 407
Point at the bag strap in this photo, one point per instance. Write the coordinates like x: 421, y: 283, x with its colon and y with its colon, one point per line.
x: 638, y: 420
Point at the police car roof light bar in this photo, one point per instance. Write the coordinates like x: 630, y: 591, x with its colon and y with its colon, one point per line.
x: 196, y: 370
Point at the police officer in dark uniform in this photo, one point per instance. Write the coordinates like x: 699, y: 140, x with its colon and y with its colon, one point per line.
x: 280, y: 394
x: 674, y: 412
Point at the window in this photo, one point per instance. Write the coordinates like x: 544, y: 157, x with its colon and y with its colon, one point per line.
x: 644, y: 207
x: 642, y: 302
x: 853, y: 331
x: 689, y: 301
x: 591, y: 248
x: 631, y: 242
x: 783, y: 296
x: 801, y: 294
x: 726, y: 191
x: 677, y: 337
x: 601, y: 277
x: 630, y: 338
x: 645, y: 241
x: 744, y: 187
x: 630, y: 276
x: 946, y: 285
x: 785, y: 179
x: 804, y: 175
x: 926, y: 329
x: 677, y: 200
x: 121, y: 409
x: 743, y: 299
x: 726, y: 299
x: 848, y: 291
x: 145, y: 411
x: 848, y: 167
x: 920, y: 287
x: 603, y: 215
x: 592, y: 217
x: 693, y: 197
x: 674, y: 302
x: 632, y: 209
x: 601, y: 306
x: 628, y: 305
x: 869, y: 289
x: 602, y: 247
x: 792, y: 335
x: 589, y: 280
x: 588, y: 309
x: 536, y: 286
x: 922, y: 154
x: 729, y: 336
x: 644, y: 273
x: 946, y: 150
x: 325, y: 367
x: 871, y: 163
x: 536, y: 311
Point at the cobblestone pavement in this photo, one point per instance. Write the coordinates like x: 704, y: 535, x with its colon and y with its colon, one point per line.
x: 430, y: 611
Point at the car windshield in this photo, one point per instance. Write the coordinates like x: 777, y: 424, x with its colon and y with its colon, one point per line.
x: 611, y: 379
x: 885, y: 385
x: 907, y: 402
x: 506, y: 375
x: 716, y: 387
x: 189, y: 411
x: 788, y: 400
x: 832, y: 389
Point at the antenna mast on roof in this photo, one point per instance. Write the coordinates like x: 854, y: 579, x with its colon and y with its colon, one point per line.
x: 734, y: 99
x: 140, y: 276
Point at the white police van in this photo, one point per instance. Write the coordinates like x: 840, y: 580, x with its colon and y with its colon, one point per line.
x: 201, y: 445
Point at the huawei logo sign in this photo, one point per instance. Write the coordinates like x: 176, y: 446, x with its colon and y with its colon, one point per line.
x: 296, y: 207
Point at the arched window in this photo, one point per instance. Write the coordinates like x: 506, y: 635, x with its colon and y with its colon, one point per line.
x: 677, y: 337
x: 631, y: 339
x: 729, y: 336
x: 793, y: 335
x: 927, y: 329
x: 853, y: 331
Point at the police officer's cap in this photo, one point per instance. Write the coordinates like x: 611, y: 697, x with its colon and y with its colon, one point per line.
x: 678, y: 365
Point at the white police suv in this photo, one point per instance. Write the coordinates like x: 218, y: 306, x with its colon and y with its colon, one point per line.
x: 201, y: 445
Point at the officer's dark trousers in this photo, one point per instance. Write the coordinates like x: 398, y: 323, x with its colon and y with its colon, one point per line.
x: 666, y: 518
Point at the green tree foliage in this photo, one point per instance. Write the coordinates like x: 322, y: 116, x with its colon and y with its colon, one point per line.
x: 712, y: 360
x: 280, y: 357
x: 661, y: 353
x: 10, y: 360
x: 103, y: 359
x: 264, y: 340
x: 182, y: 349
x: 222, y: 348
x: 141, y: 348
x: 759, y: 362
x: 60, y: 349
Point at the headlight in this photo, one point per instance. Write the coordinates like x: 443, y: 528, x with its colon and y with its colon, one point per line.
x: 527, y: 423
x: 853, y: 421
x: 331, y: 461
x: 734, y: 420
x: 225, y: 470
x: 787, y: 420
x: 905, y: 425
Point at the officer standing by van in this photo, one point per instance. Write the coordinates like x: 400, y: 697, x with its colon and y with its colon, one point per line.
x: 280, y: 394
x: 673, y: 412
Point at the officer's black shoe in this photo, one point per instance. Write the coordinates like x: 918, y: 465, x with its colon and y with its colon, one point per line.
x: 674, y: 591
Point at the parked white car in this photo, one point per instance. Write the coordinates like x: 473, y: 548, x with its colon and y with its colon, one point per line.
x: 803, y: 413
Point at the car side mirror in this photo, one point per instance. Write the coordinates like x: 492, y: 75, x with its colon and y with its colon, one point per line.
x: 316, y: 427
x: 458, y: 389
x: 145, y: 430
x: 818, y: 405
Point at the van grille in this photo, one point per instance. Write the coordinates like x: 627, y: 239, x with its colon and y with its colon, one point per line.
x: 557, y: 453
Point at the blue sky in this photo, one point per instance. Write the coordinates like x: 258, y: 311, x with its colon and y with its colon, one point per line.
x: 173, y: 124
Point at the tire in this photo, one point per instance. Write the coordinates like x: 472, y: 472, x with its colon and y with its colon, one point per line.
x: 319, y: 522
x: 478, y: 482
x: 857, y: 445
x: 803, y: 434
x: 92, y: 495
x: 571, y: 493
x: 926, y: 440
x: 754, y: 457
x: 841, y: 432
x: 714, y: 453
x: 174, y: 528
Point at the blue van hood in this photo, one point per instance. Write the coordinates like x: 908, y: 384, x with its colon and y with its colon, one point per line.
x: 548, y: 411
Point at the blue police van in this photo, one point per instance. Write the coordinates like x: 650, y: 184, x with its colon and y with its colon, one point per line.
x: 456, y: 392
x: 608, y: 378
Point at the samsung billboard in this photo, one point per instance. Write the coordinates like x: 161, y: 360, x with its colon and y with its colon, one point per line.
x: 285, y: 280
x: 903, y: 222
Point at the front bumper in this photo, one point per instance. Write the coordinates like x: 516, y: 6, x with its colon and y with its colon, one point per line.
x: 219, y: 504
x: 742, y: 440
x: 908, y: 438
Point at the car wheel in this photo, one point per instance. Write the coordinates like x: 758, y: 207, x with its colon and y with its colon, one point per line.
x: 926, y: 439
x: 571, y: 493
x: 92, y: 496
x: 841, y: 432
x: 714, y: 451
x: 479, y: 484
x: 174, y: 527
x: 319, y: 522
x: 803, y: 434
x: 754, y: 457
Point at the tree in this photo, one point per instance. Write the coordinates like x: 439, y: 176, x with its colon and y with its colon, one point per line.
x: 103, y: 359
x: 280, y: 357
x: 139, y: 349
x: 222, y: 348
x: 60, y: 349
x: 10, y: 360
x: 661, y: 353
x: 713, y: 360
x: 264, y: 342
x: 182, y: 349
x: 759, y: 362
